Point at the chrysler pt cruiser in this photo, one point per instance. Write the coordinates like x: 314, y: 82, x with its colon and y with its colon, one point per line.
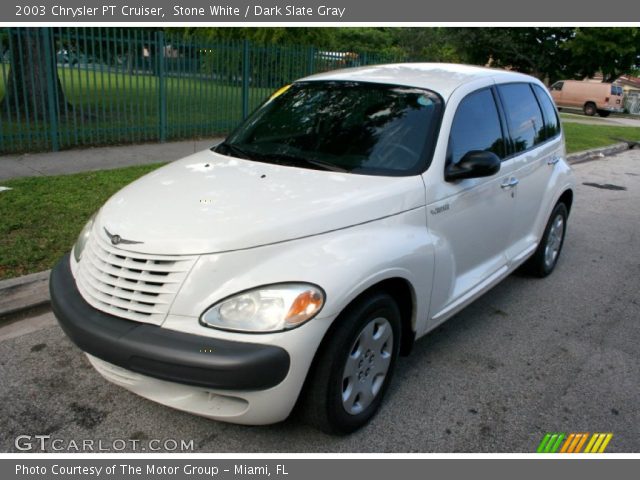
x: 350, y: 214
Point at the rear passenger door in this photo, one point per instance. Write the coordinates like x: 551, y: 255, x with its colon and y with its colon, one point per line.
x: 535, y: 147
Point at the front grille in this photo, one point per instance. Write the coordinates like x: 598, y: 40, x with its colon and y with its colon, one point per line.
x: 129, y: 285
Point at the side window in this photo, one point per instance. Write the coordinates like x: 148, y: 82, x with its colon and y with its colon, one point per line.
x: 476, y: 126
x: 551, y: 122
x: 557, y: 86
x: 523, y: 115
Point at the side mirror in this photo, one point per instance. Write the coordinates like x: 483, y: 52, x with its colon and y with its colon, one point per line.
x: 474, y: 164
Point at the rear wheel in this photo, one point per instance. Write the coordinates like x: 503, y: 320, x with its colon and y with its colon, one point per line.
x: 604, y: 113
x: 354, y: 367
x: 545, y: 258
x: 590, y: 109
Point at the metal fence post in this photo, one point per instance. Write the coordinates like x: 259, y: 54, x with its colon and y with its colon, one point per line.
x: 162, y: 87
x: 311, y: 66
x: 245, y: 79
x: 52, y: 90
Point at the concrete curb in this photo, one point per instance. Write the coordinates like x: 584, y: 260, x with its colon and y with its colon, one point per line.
x: 19, y: 295
x: 596, y: 153
x: 23, y: 293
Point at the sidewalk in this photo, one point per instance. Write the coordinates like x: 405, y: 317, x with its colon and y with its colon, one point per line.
x: 99, y: 158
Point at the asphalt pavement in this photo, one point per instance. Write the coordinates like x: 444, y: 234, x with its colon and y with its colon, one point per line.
x: 532, y: 356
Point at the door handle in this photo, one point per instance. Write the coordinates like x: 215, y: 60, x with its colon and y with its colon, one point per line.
x: 553, y: 160
x: 512, y: 182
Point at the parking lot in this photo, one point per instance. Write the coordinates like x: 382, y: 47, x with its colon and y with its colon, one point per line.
x: 530, y: 357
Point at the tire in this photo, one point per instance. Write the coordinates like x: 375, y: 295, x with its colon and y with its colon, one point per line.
x: 604, y: 113
x: 343, y: 393
x: 590, y: 109
x: 546, y: 256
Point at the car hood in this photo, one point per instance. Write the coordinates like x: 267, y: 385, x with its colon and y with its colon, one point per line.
x: 210, y: 203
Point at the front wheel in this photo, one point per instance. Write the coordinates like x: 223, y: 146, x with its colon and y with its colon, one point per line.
x: 354, y: 367
x: 545, y: 258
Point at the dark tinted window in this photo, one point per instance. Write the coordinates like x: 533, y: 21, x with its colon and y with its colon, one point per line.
x: 523, y: 116
x: 551, y: 122
x: 557, y: 86
x: 615, y: 90
x: 365, y: 128
x: 476, y: 126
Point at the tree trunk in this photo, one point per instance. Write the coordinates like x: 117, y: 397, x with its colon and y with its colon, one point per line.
x: 33, y: 88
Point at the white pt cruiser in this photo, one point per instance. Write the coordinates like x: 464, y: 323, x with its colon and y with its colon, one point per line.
x: 349, y: 215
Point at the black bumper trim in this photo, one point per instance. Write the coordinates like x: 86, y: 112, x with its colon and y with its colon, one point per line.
x: 159, y: 352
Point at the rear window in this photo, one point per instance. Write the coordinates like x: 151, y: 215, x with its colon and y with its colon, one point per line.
x: 616, y: 90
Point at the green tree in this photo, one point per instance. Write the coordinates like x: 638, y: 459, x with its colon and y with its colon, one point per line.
x: 364, y: 39
x: 263, y: 36
x: 539, y: 51
x: 28, y: 92
x: 613, y: 51
x: 428, y: 44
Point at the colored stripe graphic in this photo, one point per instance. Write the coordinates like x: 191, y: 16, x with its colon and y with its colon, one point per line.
x: 593, y: 439
x: 606, y: 442
x: 598, y: 442
x: 573, y: 443
x: 568, y: 442
x: 543, y: 443
x: 556, y: 445
x: 550, y: 443
x: 581, y: 443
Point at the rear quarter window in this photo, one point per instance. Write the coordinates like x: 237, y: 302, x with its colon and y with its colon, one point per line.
x: 551, y: 121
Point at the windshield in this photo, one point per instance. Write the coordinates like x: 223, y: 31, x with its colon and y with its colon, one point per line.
x: 363, y: 128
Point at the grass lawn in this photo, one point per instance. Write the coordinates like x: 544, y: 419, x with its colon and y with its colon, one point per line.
x: 584, y: 137
x: 41, y: 217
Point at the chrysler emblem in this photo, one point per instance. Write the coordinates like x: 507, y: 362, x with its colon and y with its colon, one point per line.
x: 117, y: 239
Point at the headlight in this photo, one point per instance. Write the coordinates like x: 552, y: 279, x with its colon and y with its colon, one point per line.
x: 78, y: 248
x: 266, y: 309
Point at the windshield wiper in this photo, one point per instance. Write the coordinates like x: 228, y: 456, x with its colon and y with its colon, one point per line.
x: 237, y: 151
x: 234, y: 150
x: 294, y: 159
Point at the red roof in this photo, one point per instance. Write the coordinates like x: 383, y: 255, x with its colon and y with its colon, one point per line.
x: 630, y: 80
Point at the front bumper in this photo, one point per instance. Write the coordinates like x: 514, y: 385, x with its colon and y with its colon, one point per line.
x: 161, y: 353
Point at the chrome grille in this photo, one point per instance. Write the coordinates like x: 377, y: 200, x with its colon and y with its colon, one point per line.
x: 130, y: 285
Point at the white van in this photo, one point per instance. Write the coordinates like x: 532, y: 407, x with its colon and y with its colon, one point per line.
x: 349, y: 215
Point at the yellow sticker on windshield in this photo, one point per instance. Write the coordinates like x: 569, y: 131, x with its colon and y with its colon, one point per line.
x: 280, y: 91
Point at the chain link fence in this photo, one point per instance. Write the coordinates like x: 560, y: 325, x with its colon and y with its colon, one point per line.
x: 632, y: 103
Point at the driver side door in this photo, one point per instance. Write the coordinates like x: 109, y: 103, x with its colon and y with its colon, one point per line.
x: 471, y: 218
